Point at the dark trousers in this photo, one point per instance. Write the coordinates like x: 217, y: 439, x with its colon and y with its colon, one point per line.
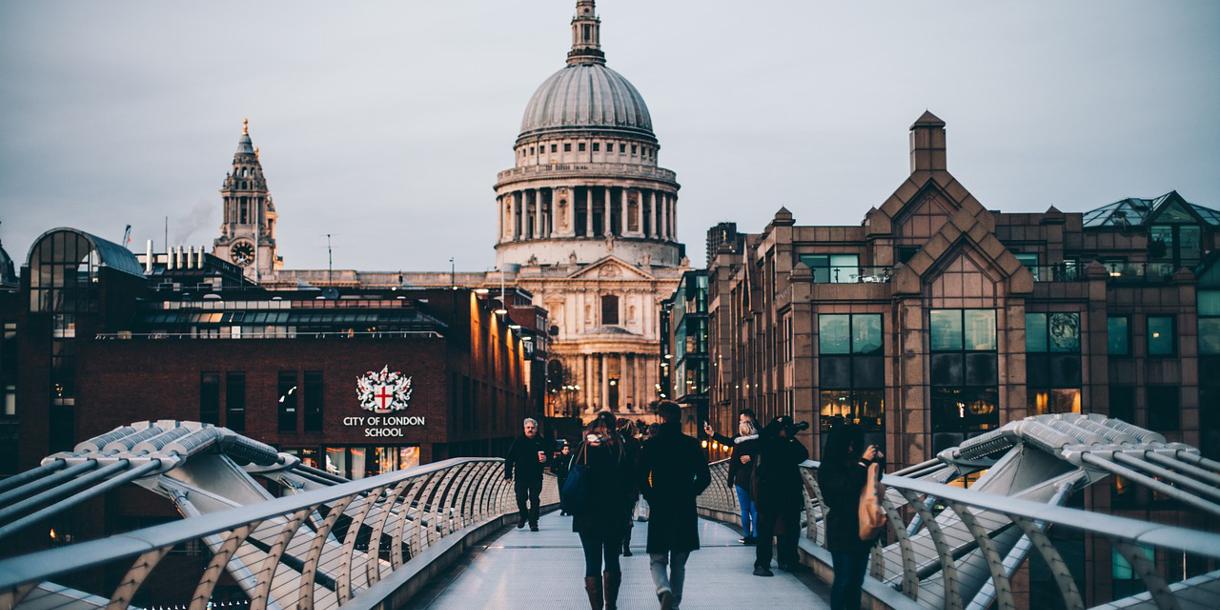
x: 597, y: 548
x: 850, y: 568
x: 784, y: 524
x: 559, y: 488
x: 528, y: 490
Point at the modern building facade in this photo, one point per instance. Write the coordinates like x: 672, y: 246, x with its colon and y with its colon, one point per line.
x: 356, y: 381
x: 937, y: 319
x: 684, y: 363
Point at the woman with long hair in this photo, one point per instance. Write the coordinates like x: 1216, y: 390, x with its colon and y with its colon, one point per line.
x: 842, y: 476
x: 603, y: 524
x: 631, y: 445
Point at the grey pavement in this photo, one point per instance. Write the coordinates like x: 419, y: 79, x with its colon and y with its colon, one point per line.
x: 536, y: 570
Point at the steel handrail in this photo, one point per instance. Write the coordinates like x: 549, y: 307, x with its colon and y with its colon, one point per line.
x: 42, y: 565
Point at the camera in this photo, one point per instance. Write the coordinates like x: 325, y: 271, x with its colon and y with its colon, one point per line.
x: 784, y: 423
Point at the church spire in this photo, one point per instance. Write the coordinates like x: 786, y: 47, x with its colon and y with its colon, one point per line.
x: 586, y: 35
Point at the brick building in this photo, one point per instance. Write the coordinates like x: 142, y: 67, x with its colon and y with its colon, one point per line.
x: 936, y: 319
x: 358, y: 381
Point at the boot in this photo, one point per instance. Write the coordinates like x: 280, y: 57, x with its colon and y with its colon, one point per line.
x: 612, y: 580
x: 593, y: 586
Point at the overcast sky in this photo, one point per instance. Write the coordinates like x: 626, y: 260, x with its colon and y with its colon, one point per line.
x: 386, y: 122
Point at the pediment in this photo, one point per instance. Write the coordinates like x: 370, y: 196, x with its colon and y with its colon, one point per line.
x: 610, y: 268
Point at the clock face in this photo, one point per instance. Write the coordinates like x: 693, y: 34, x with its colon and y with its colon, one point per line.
x: 242, y: 253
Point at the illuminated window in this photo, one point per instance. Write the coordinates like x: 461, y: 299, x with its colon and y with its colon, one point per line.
x: 1161, y: 340
x: 964, y: 375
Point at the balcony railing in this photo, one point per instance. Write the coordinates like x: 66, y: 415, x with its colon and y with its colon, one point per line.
x: 1140, y: 272
x: 1057, y: 273
x: 852, y: 275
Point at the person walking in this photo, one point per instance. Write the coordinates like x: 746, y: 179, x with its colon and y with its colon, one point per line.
x: 527, y: 456
x: 602, y: 525
x: 672, y: 474
x: 559, y: 467
x: 842, y: 476
x: 778, y: 485
x: 741, y: 471
x: 631, y: 445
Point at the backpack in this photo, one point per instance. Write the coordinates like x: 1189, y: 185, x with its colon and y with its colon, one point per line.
x: 872, y: 516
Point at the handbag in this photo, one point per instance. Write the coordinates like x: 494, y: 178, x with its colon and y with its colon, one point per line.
x: 872, y: 516
x: 574, y: 496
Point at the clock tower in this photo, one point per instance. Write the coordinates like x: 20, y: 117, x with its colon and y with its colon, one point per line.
x: 247, y: 235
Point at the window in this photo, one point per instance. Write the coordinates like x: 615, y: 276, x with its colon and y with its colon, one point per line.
x: 1118, y: 335
x: 1209, y: 322
x: 964, y: 374
x: 1122, y: 403
x: 597, y: 147
x: 10, y: 400
x: 622, y: 148
x: 1052, y: 362
x: 633, y: 149
x: 235, y: 401
x: 286, y: 407
x: 833, y: 268
x: 554, y: 148
x: 1163, y: 409
x: 567, y: 147
x: 209, y: 398
x: 1054, y: 332
x: 1161, y: 340
x: 580, y: 147
x: 609, y: 309
x: 313, y: 401
x: 851, y: 373
x: 906, y: 253
x: 1029, y: 261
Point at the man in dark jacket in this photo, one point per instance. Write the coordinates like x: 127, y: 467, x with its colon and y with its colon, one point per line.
x: 528, y: 455
x: 673, y: 472
x: 779, y: 488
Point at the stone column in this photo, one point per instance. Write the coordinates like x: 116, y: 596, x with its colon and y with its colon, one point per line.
x: 512, y: 216
x: 673, y: 216
x: 664, y: 216
x: 587, y: 383
x: 499, y: 219
x: 604, y: 382
x: 639, y: 214
x: 537, y: 213
x: 652, y: 212
x: 588, y: 211
x: 623, y: 225
x: 607, y: 226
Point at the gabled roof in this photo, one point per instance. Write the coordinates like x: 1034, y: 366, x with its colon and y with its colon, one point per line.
x: 610, y: 266
x: 1134, y: 211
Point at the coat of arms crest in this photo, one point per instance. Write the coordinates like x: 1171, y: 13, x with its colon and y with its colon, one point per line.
x: 384, y: 391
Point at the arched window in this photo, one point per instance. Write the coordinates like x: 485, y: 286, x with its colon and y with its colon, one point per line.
x: 609, y: 309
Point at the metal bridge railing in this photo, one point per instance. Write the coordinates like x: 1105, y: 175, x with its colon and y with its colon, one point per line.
x: 951, y: 547
x: 315, y: 549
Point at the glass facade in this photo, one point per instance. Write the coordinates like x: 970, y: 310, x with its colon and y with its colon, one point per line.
x: 1052, y: 362
x: 833, y: 268
x: 361, y: 461
x: 851, y: 371
x: 1118, y: 335
x: 964, y: 375
x: 1161, y: 338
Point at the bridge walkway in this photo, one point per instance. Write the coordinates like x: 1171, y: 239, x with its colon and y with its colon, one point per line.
x: 537, y: 570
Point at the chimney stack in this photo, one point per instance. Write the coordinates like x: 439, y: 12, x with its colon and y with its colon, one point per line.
x: 928, y: 144
x: 148, y: 258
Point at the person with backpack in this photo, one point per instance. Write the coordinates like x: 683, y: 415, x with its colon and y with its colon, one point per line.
x: 599, y: 491
x: 673, y: 472
x: 847, y: 464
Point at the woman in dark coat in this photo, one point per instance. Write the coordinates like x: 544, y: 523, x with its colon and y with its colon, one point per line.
x: 673, y: 472
x: 603, y: 524
x: 841, y: 477
x: 741, y: 472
